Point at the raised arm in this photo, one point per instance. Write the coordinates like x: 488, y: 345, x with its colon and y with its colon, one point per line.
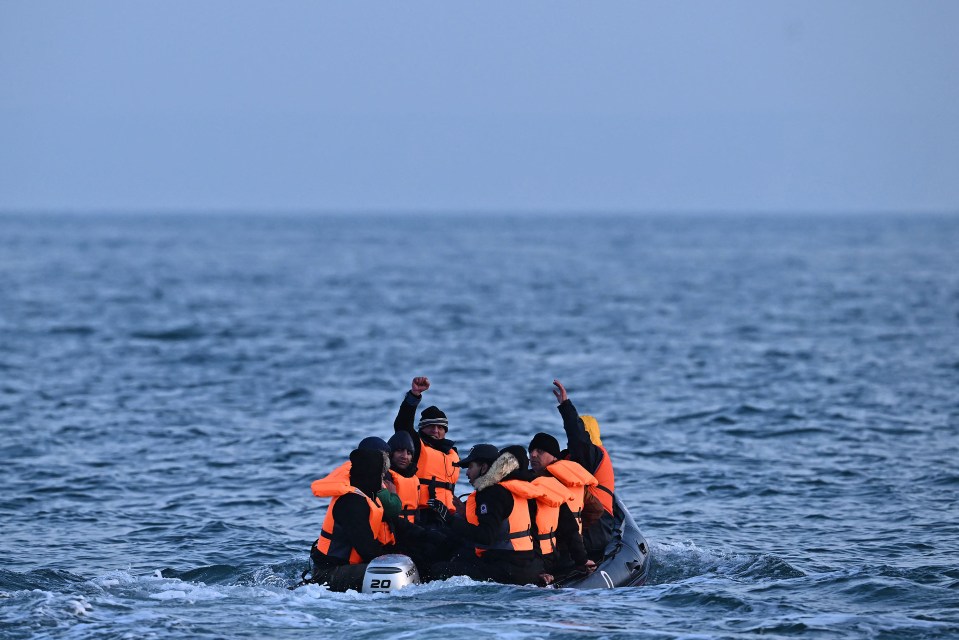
x: 581, y: 448
x: 406, y: 417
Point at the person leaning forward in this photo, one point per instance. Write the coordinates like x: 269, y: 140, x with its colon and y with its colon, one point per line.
x: 388, y: 495
x: 354, y: 529
x: 497, y: 521
x: 434, y: 457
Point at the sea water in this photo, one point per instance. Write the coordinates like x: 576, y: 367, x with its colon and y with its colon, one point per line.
x: 778, y: 395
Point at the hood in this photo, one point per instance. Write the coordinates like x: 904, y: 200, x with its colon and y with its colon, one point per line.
x: 502, y: 467
x: 592, y: 429
x: 366, y: 470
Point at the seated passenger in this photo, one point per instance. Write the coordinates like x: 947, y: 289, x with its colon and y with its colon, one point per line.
x: 403, y: 475
x: 585, y: 447
x: 497, y: 521
x: 563, y: 549
x: 434, y: 457
x: 354, y: 530
x: 392, y: 503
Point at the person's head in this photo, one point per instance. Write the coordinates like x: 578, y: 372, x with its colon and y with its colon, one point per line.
x: 401, y: 451
x: 518, y: 452
x: 366, y: 470
x: 373, y: 443
x: 477, y: 462
x: 543, y: 451
x: 433, y: 423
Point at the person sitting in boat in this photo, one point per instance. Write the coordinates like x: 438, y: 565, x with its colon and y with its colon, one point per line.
x: 559, y: 528
x: 403, y: 475
x: 497, y: 520
x: 354, y: 528
x: 585, y: 447
x: 434, y: 457
x: 392, y: 503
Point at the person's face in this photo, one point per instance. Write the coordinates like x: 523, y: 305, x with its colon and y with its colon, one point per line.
x: 476, y: 470
x: 401, y: 459
x: 435, y: 431
x: 539, y: 460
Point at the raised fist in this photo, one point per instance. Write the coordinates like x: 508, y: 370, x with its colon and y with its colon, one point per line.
x: 420, y: 384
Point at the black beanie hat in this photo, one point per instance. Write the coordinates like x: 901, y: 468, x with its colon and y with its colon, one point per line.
x: 545, y: 442
x: 433, y: 415
x: 401, y: 440
x: 366, y: 470
x: 374, y: 443
x: 519, y: 453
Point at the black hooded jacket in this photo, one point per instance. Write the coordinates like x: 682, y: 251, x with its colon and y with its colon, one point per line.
x: 352, y: 512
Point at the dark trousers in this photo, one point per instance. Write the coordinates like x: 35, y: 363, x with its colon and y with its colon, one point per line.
x: 597, y: 536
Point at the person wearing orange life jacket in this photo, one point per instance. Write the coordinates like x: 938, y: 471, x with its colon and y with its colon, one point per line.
x: 354, y: 531
x: 392, y: 503
x: 403, y: 475
x: 585, y: 447
x: 562, y: 546
x: 545, y: 457
x: 434, y: 457
x: 424, y: 545
x: 497, y: 520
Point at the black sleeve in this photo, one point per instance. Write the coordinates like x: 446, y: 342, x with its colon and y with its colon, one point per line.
x: 499, y: 503
x: 406, y: 420
x: 352, y: 513
x: 568, y: 531
x: 581, y: 448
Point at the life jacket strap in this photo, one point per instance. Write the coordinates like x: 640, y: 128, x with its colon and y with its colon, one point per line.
x: 435, y: 484
x: 326, y: 534
x: 606, y: 489
x: 519, y: 534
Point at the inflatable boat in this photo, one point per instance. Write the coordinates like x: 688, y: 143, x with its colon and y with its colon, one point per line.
x: 625, y: 563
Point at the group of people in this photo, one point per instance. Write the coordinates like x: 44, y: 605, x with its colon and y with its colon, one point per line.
x: 538, y: 513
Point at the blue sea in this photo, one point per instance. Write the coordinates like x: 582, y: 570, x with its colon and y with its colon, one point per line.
x: 779, y: 394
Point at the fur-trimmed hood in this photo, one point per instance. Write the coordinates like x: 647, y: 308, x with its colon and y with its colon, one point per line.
x: 501, y: 467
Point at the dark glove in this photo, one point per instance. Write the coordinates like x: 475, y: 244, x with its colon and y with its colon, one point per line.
x: 437, y: 537
x: 440, y: 509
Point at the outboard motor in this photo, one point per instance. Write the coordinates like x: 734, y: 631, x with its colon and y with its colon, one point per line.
x: 390, y: 573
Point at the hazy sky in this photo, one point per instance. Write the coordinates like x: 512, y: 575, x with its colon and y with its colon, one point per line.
x: 647, y: 106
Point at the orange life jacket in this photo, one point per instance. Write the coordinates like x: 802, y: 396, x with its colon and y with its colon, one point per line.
x: 607, y: 482
x: 438, y: 473
x: 555, y: 495
x: 516, y: 532
x: 408, y: 490
x: 332, y: 540
x: 339, y: 475
x: 573, y: 475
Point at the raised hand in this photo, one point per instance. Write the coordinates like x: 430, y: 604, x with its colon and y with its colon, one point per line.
x: 560, y: 392
x: 420, y: 384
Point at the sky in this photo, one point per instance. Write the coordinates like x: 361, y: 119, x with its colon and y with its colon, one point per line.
x: 635, y: 106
